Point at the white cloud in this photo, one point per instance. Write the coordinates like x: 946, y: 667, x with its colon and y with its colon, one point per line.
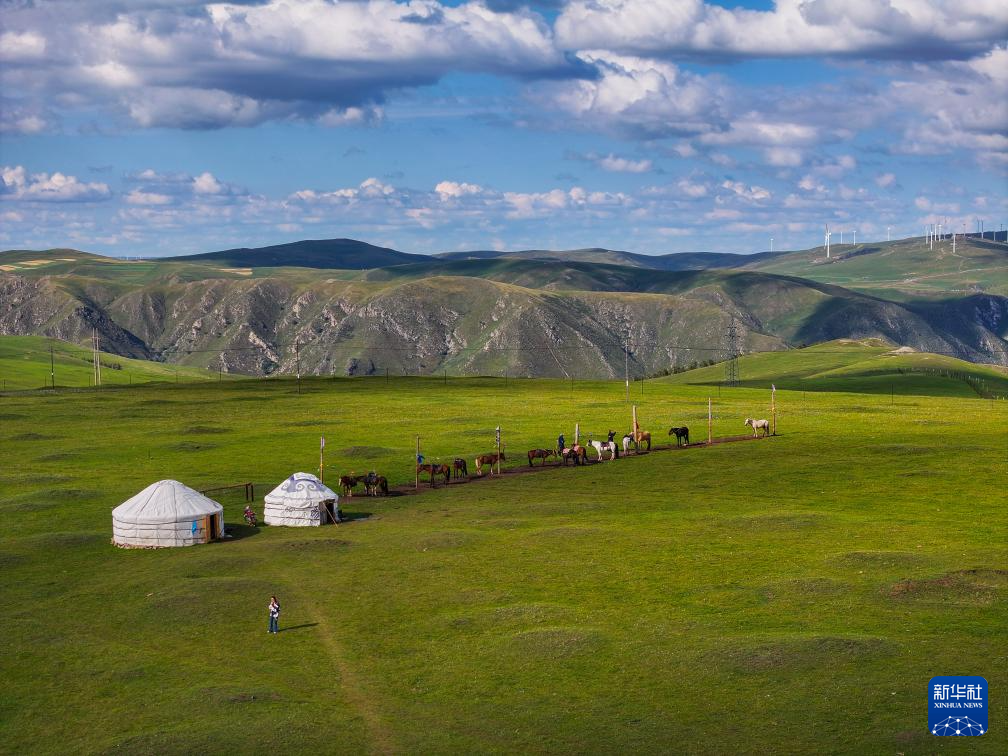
x: 907, y: 29
x: 784, y: 157
x: 751, y: 193
x: 205, y: 183
x: 638, y: 96
x: 616, y: 164
x: 237, y: 64
x: 137, y: 197
x: 455, y: 190
x: 885, y: 180
x: 45, y: 187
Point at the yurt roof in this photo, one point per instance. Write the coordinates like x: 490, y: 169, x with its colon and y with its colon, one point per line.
x: 165, y: 501
x: 301, y: 489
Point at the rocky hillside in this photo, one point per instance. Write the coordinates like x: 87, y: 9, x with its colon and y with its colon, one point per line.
x: 525, y: 316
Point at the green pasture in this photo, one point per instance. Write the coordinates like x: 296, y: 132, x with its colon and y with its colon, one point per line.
x: 793, y: 594
x: 870, y: 366
x: 25, y: 365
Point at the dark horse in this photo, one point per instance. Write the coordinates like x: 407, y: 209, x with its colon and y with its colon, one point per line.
x: 376, y: 484
x: 578, y: 453
x: 347, y: 483
x: 435, y: 470
x: 681, y: 435
x: 540, y: 454
x: 461, y: 469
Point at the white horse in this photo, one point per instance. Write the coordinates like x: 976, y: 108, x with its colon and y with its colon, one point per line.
x: 758, y: 425
x: 628, y: 441
x: 608, y: 446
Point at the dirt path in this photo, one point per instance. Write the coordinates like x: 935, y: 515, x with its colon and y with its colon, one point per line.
x: 425, y: 487
x: 350, y: 682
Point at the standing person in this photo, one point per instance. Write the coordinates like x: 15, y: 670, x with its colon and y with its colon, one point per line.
x: 274, y: 615
x: 561, y: 444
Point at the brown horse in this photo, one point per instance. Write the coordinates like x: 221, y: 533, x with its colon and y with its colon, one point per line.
x: 540, y: 454
x: 347, y: 483
x: 461, y: 469
x: 578, y: 453
x: 488, y: 459
x: 435, y: 470
x: 642, y: 437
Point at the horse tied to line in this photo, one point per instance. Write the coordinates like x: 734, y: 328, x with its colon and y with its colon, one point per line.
x: 605, y: 446
x: 347, y: 483
x: 542, y: 454
x: 434, y: 470
x: 577, y: 452
x: 681, y: 435
x: 461, y: 470
x: 758, y: 425
x: 628, y: 441
x: 488, y: 459
x: 372, y: 486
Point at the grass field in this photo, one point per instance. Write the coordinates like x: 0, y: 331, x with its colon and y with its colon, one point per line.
x: 25, y: 364
x: 793, y: 594
x: 870, y: 366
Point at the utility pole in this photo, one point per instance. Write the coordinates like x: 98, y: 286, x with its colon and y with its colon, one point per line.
x: 626, y: 365
x: 52, y: 367
x: 297, y: 362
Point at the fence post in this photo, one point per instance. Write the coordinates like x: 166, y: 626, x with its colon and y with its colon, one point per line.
x: 710, y: 440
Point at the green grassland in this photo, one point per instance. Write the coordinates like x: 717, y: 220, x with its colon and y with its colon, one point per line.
x: 25, y: 364
x: 904, y: 269
x: 793, y: 594
x: 869, y: 366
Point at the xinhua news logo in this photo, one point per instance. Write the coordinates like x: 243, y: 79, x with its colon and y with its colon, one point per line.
x: 957, y: 705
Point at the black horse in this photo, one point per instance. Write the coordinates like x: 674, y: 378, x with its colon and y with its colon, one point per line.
x: 460, y: 470
x: 681, y: 435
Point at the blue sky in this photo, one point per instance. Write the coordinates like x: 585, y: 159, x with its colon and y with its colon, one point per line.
x: 159, y: 127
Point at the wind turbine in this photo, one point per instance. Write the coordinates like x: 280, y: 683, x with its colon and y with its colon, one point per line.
x: 887, y: 229
x: 827, y: 241
x: 771, y: 245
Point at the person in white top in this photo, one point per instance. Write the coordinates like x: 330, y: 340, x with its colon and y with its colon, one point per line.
x: 274, y: 615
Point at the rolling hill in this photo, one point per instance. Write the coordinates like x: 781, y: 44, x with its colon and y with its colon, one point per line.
x: 869, y: 366
x: 25, y: 364
x: 343, y: 254
x: 523, y: 315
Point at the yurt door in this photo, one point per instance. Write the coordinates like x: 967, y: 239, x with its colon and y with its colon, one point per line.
x: 212, y: 528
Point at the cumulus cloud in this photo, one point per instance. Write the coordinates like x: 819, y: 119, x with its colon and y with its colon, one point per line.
x: 884, y: 29
x: 636, y: 96
x: 231, y: 64
x: 615, y: 163
x: 45, y: 187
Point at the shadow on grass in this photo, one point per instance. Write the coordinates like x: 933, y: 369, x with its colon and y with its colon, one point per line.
x: 239, y: 532
x: 297, y: 627
x: 351, y: 516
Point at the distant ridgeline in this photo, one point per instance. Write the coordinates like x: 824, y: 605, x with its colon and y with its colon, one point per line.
x: 344, y: 307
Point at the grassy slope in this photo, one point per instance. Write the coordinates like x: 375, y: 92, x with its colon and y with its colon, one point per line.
x: 903, y: 269
x: 741, y: 598
x: 25, y: 364
x: 870, y: 367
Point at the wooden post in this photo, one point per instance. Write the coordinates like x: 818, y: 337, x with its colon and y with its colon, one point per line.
x: 321, y: 461
x: 710, y: 438
x: 416, y: 462
x: 577, y: 433
x: 498, y: 449
x: 773, y: 407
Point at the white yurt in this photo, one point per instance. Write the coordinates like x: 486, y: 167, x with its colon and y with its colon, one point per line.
x: 301, y: 500
x: 167, y: 513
